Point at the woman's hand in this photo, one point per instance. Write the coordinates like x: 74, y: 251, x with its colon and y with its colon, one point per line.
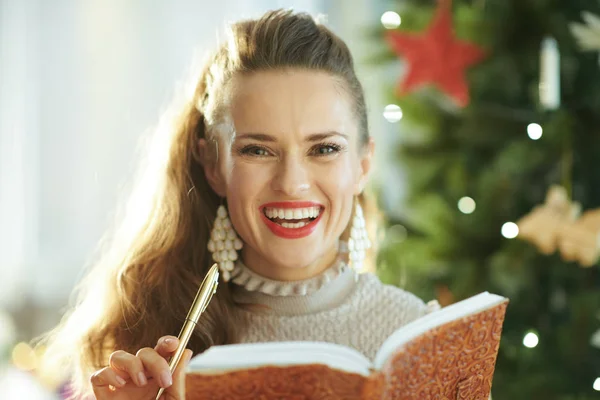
x: 139, y: 376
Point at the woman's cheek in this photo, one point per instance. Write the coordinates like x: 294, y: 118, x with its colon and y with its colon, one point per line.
x: 336, y: 175
x: 246, y: 182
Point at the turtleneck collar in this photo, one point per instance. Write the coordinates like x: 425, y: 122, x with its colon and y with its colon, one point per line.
x: 322, y: 292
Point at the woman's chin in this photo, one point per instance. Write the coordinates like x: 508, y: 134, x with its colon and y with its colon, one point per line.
x: 294, y: 263
x: 293, y: 267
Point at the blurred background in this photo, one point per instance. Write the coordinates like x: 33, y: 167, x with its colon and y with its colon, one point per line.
x: 82, y: 83
x: 485, y: 114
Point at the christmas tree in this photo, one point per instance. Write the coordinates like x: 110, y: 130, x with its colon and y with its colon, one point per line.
x: 500, y: 142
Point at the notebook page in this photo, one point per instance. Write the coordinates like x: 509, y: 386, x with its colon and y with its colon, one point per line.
x: 243, y: 356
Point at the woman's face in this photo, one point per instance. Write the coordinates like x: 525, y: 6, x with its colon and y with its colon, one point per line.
x: 292, y: 170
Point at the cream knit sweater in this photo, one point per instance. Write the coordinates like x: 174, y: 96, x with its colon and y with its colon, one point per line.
x: 337, y: 306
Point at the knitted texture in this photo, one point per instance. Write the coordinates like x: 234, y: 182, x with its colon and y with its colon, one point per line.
x: 363, y: 319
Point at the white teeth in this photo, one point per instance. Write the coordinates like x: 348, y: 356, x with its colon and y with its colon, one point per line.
x: 292, y: 213
x: 293, y: 224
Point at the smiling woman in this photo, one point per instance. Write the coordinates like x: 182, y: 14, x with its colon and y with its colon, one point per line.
x: 264, y: 173
x: 296, y: 148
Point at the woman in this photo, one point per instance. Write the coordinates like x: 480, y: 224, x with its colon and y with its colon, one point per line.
x: 263, y: 173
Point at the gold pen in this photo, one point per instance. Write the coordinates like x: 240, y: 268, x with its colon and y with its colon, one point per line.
x: 203, y: 297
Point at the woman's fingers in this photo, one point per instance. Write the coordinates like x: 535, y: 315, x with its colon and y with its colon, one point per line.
x: 166, y: 346
x: 105, y: 377
x: 138, y: 376
x: 105, y: 390
x: 156, y: 366
x: 132, y: 365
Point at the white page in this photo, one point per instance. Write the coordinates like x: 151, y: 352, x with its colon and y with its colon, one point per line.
x: 472, y: 305
x: 241, y: 356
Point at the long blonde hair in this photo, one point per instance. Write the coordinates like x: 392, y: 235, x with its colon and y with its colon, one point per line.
x: 142, y: 285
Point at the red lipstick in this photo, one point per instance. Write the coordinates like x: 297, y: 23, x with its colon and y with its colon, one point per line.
x: 291, y: 233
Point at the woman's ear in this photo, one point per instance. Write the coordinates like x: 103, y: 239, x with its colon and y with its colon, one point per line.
x: 208, y: 152
x: 366, y: 158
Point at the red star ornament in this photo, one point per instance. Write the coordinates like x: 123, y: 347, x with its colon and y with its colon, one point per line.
x: 436, y: 56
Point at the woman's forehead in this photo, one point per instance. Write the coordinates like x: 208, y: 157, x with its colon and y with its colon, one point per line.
x: 291, y: 101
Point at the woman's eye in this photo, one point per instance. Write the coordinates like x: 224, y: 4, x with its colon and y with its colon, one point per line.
x: 326, y: 149
x: 255, y: 151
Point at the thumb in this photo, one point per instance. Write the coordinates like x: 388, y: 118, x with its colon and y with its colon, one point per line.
x: 177, y: 390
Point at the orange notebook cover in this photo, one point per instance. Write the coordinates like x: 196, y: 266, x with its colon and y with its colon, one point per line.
x: 449, y: 354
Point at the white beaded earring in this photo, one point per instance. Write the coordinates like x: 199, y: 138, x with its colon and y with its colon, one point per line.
x: 359, y: 242
x: 224, y: 243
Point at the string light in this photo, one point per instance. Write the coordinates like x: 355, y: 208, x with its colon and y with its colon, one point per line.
x: 530, y: 340
x: 510, y: 230
x: 23, y: 357
x: 390, y: 20
x: 534, y: 131
x: 392, y: 113
x: 466, y: 205
x: 597, y: 384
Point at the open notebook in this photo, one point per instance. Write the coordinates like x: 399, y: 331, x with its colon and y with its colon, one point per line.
x: 448, y: 354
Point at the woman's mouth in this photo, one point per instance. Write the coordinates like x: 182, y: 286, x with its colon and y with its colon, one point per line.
x: 292, y: 220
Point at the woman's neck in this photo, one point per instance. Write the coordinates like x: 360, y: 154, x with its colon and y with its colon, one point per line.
x: 270, y: 269
x: 254, y: 293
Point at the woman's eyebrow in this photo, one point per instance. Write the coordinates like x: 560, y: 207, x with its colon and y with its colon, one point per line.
x: 317, y: 137
x: 262, y: 137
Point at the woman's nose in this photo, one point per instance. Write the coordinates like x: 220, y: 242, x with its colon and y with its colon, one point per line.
x: 292, y: 178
